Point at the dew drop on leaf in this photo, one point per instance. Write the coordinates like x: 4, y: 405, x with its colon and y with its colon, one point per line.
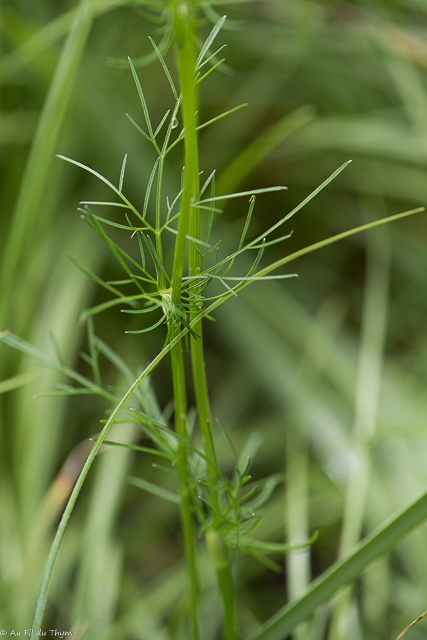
x: 174, y: 122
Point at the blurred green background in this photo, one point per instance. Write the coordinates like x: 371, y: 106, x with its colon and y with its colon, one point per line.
x: 324, y: 376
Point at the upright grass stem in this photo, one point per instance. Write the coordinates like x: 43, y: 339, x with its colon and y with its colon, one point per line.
x: 179, y: 391
x: 184, y: 32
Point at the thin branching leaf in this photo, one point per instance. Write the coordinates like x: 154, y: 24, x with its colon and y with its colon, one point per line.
x: 222, y: 115
x: 55, y: 346
x: 93, y: 350
x: 135, y: 447
x: 166, y: 70
x: 247, y: 222
x: 138, y: 128
x: 149, y: 186
x: 240, y: 194
x: 209, y: 41
x: 143, y: 102
x: 105, y: 203
x: 160, y: 492
x: 99, y: 308
x: 162, y: 122
x: 153, y: 326
x: 122, y: 173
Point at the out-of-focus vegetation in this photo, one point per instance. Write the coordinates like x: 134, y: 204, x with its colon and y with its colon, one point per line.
x: 324, y: 376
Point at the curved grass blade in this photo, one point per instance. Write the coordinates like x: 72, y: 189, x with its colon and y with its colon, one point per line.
x: 345, y: 571
x: 37, y: 169
x: 42, y: 597
x: 254, y: 153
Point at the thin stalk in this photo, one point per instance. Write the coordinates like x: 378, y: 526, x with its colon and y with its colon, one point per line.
x: 184, y: 31
x: 185, y: 56
x: 179, y: 392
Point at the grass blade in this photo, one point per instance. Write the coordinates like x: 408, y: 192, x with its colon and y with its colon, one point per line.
x: 43, y: 148
x: 341, y: 573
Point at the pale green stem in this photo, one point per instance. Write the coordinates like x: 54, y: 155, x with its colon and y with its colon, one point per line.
x: 184, y: 32
x: 179, y: 392
x: 184, y: 53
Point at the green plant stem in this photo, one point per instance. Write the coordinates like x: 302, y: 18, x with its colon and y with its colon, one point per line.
x: 184, y: 32
x: 179, y: 392
x: 184, y: 54
x: 222, y: 568
x: 184, y: 38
